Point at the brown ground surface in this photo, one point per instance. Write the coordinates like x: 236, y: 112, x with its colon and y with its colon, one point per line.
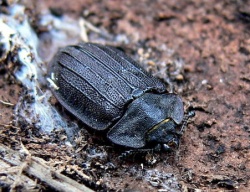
x: 213, y: 39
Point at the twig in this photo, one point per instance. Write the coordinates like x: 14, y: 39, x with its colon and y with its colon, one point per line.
x: 37, y: 168
x: 83, y: 34
x: 6, y: 103
x: 22, y: 167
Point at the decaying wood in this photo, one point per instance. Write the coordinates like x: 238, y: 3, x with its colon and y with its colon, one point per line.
x: 9, y: 175
x: 15, y: 164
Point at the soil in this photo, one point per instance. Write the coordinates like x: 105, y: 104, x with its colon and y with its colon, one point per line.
x: 212, y: 40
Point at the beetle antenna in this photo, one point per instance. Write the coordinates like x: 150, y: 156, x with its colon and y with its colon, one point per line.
x: 190, y: 114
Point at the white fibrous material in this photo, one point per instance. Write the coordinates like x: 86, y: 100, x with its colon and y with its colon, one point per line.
x: 62, y: 31
x: 163, y: 181
x: 19, y: 42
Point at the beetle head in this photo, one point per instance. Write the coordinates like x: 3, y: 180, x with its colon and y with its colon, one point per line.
x: 164, y: 135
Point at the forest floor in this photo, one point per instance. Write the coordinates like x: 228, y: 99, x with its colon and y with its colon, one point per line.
x: 205, y: 46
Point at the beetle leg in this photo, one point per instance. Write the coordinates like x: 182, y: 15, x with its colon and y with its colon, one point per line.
x: 128, y: 153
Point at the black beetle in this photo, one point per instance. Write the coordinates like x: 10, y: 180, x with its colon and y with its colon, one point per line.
x: 107, y: 90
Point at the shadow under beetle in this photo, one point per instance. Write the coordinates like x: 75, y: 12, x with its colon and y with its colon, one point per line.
x: 107, y: 90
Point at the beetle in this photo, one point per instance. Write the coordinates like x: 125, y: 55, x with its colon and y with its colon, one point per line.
x: 107, y: 90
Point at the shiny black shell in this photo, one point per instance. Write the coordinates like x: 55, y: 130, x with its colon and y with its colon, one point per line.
x: 100, y: 84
